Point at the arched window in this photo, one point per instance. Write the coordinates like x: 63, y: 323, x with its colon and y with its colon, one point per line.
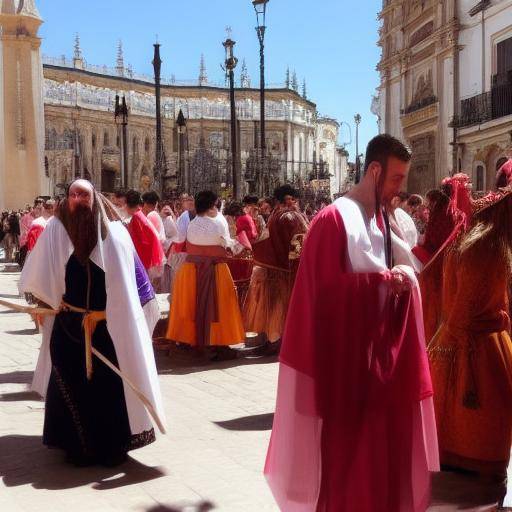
x: 106, y: 141
x: 146, y: 145
x: 118, y: 142
x: 93, y: 140
x: 480, y: 178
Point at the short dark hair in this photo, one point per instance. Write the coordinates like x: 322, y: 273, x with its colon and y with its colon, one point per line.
x: 381, y: 147
x: 150, y: 197
x: 120, y: 193
x: 253, y: 200
x: 133, y: 198
x: 285, y: 190
x: 403, y: 196
x: 205, y: 200
x: 415, y: 200
x: 234, y: 209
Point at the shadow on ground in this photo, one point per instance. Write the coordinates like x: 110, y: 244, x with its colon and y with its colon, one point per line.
x: 464, y: 491
x: 9, y: 296
x: 255, y: 422
x: 203, y: 506
x: 182, y: 361
x: 25, y: 461
x: 18, y: 377
x: 24, y: 332
x: 20, y: 396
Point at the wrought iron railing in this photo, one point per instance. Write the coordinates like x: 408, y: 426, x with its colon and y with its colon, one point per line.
x: 485, y: 107
x: 418, y: 105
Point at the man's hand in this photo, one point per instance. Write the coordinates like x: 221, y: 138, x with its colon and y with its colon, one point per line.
x: 399, y: 281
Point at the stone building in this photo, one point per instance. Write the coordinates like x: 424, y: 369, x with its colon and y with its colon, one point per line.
x: 22, y: 175
x: 484, y: 121
x: 59, y: 124
x: 83, y: 139
x: 416, y: 95
x: 437, y: 89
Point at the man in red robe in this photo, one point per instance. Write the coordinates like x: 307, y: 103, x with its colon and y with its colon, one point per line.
x: 275, y: 266
x: 354, y: 426
x: 144, y: 236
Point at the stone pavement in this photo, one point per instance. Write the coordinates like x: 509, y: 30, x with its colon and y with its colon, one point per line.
x: 219, y: 419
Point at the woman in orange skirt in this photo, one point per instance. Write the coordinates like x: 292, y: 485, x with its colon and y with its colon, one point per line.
x: 204, y: 308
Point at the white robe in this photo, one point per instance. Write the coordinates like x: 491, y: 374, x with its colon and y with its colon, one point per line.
x: 44, y: 276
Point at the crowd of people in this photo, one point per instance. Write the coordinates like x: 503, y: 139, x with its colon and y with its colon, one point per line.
x: 390, y: 312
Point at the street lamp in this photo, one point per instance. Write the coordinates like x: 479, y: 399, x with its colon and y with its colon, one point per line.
x: 159, y: 153
x: 230, y: 63
x: 121, y: 114
x: 357, y: 119
x: 260, y: 7
x: 181, y: 124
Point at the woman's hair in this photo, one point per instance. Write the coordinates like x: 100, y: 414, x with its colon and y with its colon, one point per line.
x: 234, y: 209
x: 205, y: 201
x: 492, y: 228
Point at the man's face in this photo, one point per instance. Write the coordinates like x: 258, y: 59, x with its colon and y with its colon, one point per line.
x: 395, y: 178
x: 265, y: 209
x: 147, y: 208
x: 290, y: 201
x: 80, y: 193
x: 188, y: 204
x: 119, y: 202
x: 166, y: 211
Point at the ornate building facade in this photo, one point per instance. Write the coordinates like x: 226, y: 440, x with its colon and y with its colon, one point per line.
x: 416, y: 95
x: 59, y: 124
x: 437, y: 89
x: 83, y: 139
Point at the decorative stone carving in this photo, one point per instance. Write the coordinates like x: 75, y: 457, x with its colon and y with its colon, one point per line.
x: 424, y: 88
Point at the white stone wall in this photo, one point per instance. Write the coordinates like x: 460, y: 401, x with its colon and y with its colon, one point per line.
x: 496, y: 25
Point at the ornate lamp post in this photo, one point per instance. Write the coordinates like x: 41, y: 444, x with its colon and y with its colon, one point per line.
x: 181, y: 124
x: 357, y: 120
x: 231, y: 62
x: 121, y: 117
x: 260, y: 7
x: 159, y: 152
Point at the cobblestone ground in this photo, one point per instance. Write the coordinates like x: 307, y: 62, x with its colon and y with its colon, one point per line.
x: 219, y: 420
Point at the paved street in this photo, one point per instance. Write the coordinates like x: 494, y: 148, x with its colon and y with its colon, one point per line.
x: 219, y: 420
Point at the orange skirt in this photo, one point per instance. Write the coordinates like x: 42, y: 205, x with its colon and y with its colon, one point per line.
x: 229, y: 329
x: 473, y: 399
x: 267, y: 302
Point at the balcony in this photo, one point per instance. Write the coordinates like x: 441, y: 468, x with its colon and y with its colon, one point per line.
x: 488, y: 106
x: 418, y: 105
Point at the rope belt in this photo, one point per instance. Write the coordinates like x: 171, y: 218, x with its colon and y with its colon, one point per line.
x: 90, y: 321
x: 89, y: 324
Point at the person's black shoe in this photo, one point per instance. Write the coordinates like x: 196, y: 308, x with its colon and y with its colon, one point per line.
x: 273, y: 349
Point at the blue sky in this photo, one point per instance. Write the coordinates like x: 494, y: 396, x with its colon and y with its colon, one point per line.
x: 330, y: 43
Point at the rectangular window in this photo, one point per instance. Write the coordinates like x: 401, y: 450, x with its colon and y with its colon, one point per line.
x: 504, y: 58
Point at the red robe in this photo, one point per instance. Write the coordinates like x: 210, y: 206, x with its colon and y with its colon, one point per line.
x: 146, y: 241
x: 350, y: 431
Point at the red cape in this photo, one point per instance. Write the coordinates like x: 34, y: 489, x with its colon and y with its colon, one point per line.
x: 146, y: 241
x: 353, y: 367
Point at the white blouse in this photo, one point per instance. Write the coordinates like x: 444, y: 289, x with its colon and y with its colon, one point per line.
x: 209, y: 231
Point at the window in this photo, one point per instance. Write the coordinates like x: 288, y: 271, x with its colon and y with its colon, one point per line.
x: 106, y: 141
x: 93, y: 140
x: 135, y: 146
x: 504, y: 58
x: 118, y: 142
x: 480, y: 177
x: 146, y: 145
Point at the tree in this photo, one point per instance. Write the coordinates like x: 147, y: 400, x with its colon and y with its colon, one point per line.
x: 295, y: 83
x: 287, y: 79
x: 304, y: 90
